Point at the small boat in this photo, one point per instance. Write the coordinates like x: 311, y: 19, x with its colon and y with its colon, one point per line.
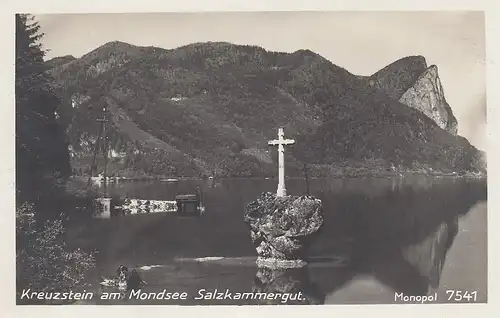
x: 108, y: 282
x: 169, y: 180
x: 114, y: 282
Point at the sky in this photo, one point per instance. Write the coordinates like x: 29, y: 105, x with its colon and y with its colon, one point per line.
x: 361, y: 42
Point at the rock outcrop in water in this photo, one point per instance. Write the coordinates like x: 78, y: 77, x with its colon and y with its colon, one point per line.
x: 427, y: 96
x: 282, y: 228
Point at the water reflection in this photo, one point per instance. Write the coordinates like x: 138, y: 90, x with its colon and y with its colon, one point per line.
x: 413, y: 269
x: 428, y: 256
x: 292, y: 281
x: 416, y: 269
x: 397, y: 233
x: 400, y: 238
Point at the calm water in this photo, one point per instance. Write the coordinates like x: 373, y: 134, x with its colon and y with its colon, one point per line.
x: 417, y: 236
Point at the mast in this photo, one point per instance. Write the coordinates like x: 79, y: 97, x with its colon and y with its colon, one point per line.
x: 96, y: 148
x: 103, y: 122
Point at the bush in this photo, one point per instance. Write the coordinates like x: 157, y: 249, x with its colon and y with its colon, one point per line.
x: 43, y: 263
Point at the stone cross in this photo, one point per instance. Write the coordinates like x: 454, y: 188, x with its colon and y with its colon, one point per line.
x: 281, y: 160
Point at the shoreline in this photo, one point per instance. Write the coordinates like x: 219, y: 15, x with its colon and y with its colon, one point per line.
x: 403, y: 175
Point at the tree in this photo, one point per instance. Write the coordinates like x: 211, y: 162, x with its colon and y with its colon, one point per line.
x: 42, y: 157
x: 43, y: 261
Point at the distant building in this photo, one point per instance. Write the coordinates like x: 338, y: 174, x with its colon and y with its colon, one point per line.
x: 178, y: 98
x: 114, y: 154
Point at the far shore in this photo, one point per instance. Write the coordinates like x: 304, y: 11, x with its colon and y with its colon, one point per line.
x: 351, y: 175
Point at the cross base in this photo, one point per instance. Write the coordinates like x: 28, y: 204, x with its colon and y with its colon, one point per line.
x: 281, y: 192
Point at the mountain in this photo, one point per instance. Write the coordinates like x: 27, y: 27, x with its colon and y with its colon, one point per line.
x: 410, y: 81
x: 58, y: 61
x: 427, y: 96
x: 210, y: 108
x: 396, y: 78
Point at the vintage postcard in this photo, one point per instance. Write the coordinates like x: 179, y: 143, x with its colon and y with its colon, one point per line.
x: 251, y: 158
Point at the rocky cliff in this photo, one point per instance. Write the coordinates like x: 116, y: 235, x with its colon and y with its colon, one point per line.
x: 427, y: 96
x: 414, y: 84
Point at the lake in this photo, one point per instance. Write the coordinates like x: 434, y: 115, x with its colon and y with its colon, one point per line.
x: 382, y: 236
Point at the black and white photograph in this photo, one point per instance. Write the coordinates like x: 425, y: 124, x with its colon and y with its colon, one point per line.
x: 251, y: 158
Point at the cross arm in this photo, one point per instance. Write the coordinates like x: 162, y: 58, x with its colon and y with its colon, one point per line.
x: 281, y: 142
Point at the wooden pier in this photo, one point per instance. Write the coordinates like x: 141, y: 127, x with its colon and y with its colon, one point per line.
x: 184, y: 205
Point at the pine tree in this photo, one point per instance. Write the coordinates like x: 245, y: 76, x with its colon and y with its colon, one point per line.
x: 42, y: 158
